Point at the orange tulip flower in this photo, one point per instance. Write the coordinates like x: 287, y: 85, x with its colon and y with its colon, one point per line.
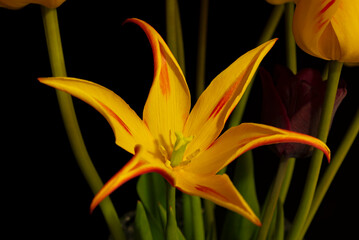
x: 17, y: 4
x: 184, y: 146
x: 328, y: 29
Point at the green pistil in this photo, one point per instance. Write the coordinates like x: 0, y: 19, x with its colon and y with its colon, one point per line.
x: 179, y: 149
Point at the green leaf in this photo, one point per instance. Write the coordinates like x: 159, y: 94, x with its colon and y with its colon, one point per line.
x: 151, y: 189
x: 157, y: 227
x: 142, y: 226
x: 236, y: 226
x: 163, y: 215
x: 171, y: 226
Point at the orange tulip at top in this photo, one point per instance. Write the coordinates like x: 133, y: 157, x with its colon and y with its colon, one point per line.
x: 328, y: 29
x: 17, y: 4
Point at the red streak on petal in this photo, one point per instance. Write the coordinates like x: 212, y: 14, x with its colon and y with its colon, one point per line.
x: 115, y: 116
x: 210, y: 191
x: 227, y: 96
x: 322, y: 23
x: 164, y: 78
x: 329, y: 4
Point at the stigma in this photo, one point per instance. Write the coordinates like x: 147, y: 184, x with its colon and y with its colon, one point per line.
x: 179, y: 149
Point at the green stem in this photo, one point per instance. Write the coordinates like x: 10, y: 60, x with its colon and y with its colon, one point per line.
x: 332, y: 169
x: 198, y: 225
x: 171, y: 26
x: 316, y: 161
x: 171, y: 226
x: 187, y: 216
x: 70, y: 121
x: 273, y: 199
x: 287, y: 180
x: 179, y: 37
x: 210, y: 220
x: 292, y: 65
x: 290, y: 42
x: 272, y: 23
x: 202, y: 45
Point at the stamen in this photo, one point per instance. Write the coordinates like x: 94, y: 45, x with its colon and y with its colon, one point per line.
x: 192, y: 155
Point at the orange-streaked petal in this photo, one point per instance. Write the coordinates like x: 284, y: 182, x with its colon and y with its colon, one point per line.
x: 328, y: 29
x: 137, y: 166
x: 16, y: 4
x: 168, y: 103
x: 216, y: 103
x: 237, y: 140
x: 218, y: 189
x: 128, y: 128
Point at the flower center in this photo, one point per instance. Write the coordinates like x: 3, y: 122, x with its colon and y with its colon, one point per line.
x: 179, y: 148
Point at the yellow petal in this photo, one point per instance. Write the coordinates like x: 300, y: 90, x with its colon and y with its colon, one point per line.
x: 135, y: 167
x: 128, y: 128
x: 345, y: 23
x: 328, y: 29
x: 214, y: 106
x: 168, y: 103
x: 17, y: 4
x: 237, y: 140
x: 218, y: 189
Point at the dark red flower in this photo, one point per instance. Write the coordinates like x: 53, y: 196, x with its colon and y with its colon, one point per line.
x: 294, y: 102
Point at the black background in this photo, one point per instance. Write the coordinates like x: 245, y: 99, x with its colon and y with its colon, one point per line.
x: 44, y: 193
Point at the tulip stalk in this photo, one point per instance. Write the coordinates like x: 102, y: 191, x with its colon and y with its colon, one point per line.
x: 171, y: 225
x: 290, y: 42
x: 316, y: 161
x: 272, y: 23
x: 202, y: 44
x: 57, y: 62
x: 273, y: 198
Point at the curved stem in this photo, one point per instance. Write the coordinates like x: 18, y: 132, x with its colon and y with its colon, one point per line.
x: 332, y: 169
x: 70, y: 121
x: 273, y: 199
x: 290, y: 42
x: 316, y: 161
x: 272, y: 23
x: 287, y: 180
x: 202, y: 44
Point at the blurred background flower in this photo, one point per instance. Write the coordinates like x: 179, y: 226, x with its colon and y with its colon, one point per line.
x: 294, y: 102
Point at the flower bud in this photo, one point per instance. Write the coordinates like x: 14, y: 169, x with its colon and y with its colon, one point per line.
x: 328, y: 29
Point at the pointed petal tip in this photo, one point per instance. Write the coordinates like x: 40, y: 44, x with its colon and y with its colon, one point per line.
x: 257, y: 222
x: 93, y: 206
x: 133, y: 20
